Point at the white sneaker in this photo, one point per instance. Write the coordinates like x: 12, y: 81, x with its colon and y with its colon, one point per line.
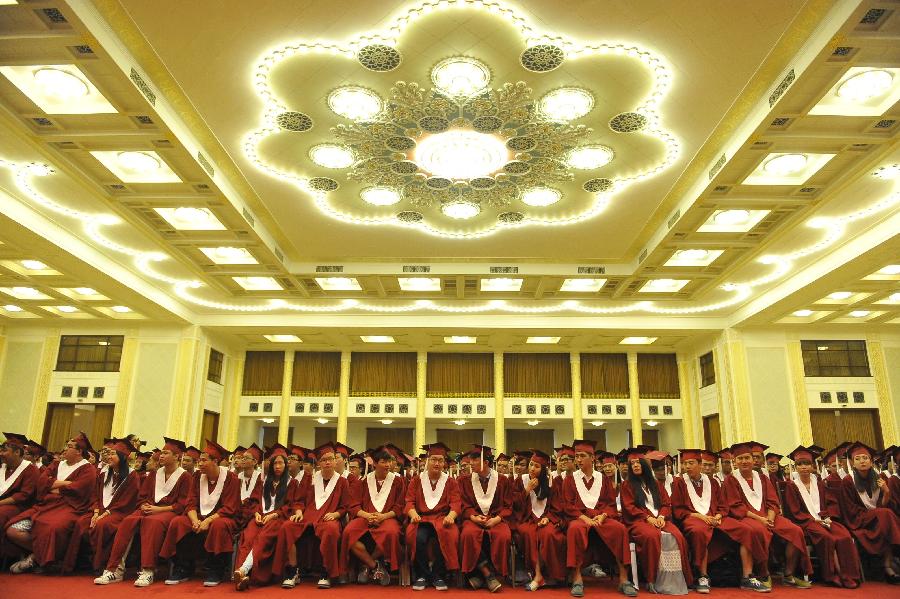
x: 23, y: 565
x: 109, y: 577
x: 289, y: 583
x: 144, y: 579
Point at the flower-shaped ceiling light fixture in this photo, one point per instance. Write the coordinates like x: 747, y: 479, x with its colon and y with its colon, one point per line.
x: 466, y: 155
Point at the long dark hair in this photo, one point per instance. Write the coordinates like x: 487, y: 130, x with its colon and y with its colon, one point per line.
x: 867, y: 484
x: 119, y: 474
x: 543, y: 489
x: 270, y: 483
x: 646, y: 478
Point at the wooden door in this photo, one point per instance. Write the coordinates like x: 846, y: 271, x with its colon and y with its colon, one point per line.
x: 325, y: 434
x: 210, y: 427
x: 825, y: 428
x: 101, y: 427
x: 650, y: 436
x: 598, y: 435
x: 833, y: 426
x: 460, y: 440
x: 404, y: 438
x: 57, y: 426
x: 522, y: 439
x: 712, y: 433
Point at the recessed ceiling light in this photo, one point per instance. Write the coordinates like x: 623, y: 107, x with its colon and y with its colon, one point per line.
x: 894, y: 298
x: 386, y: 421
x: 33, y: 264
x: 229, y: 255
x: 322, y: 420
x: 888, y: 172
x: 731, y: 217
x: 85, y: 291
x: 582, y: 285
x: 866, y: 85
x: 419, y: 283
x: 24, y: 292
x: 338, y: 284
x: 121, y: 309
x: 460, y: 339
x: 331, y: 156
x: 460, y: 154
x: 840, y: 295
x: 566, y: 104
x: 732, y: 221
x: 532, y: 422
x: 267, y: 420
x: 787, y: 168
x: 67, y: 309
x: 693, y: 257
x: 590, y: 157
x: 380, y: 196
x: 890, y: 269
x: 862, y: 91
x: 283, y: 338
x: 460, y: 210
x: 859, y: 313
x: 663, y: 285
x: 541, y: 196
x: 12, y: 308
x: 459, y: 422
x: 542, y: 340
x: 258, y: 283
x: 500, y: 284
x: 597, y: 422
x: 652, y: 423
x: 461, y: 76
x: 803, y: 313
x: 377, y: 338
x: 638, y: 340
x: 58, y: 89
x: 61, y: 83
x: 188, y: 218
x: 785, y: 164
x: 142, y: 166
x: 355, y: 103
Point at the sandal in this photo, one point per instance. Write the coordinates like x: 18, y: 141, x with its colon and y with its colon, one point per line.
x: 533, y: 585
x: 577, y: 589
x: 493, y: 585
x: 627, y: 589
x: 475, y: 582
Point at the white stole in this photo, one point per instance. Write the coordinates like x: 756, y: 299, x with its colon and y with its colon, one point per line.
x: 755, y: 495
x: 323, y: 492
x: 870, y: 502
x: 702, y: 502
x: 247, y: 489
x: 379, y: 498
x: 209, y: 500
x: 164, y: 486
x: 810, y: 497
x: 648, y: 501
x: 485, y: 498
x: 63, y: 470
x: 433, y: 496
x: 591, y: 496
x: 299, y: 477
x: 538, y: 506
x: 6, y: 483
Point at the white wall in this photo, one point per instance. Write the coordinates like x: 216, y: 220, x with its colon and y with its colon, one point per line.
x: 18, y: 380
x: 151, y: 393
x: 772, y: 398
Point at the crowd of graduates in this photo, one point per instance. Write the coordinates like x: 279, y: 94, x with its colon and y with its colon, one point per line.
x: 276, y: 515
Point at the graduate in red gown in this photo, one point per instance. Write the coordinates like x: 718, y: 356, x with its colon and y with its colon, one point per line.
x: 485, y: 538
x: 750, y: 497
x: 251, y: 480
x: 315, y: 518
x: 342, y: 455
x: 836, y: 473
x: 18, y: 481
x: 373, y: 534
x: 432, y: 505
x: 863, y: 497
x: 709, y: 530
x: 163, y: 497
x: 813, y: 508
x: 207, y: 529
x: 189, y: 459
x: 892, y: 462
x: 68, y: 493
x: 260, y: 536
x: 540, y: 521
x: 590, y: 508
x: 115, y: 498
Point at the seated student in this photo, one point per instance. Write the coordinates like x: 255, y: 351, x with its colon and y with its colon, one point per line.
x: 18, y: 480
x: 251, y: 484
x: 163, y: 496
x: 565, y: 461
x: 373, y: 534
x: 814, y: 509
x: 775, y: 472
x: 835, y: 472
x: 892, y: 469
x: 647, y: 511
x: 259, y: 537
x: 539, y: 517
x: 115, y: 498
x: 503, y: 465
x: 342, y: 455
x: 486, y: 502
x: 726, y: 464
x: 751, y: 498
x: 608, y: 466
x: 863, y: 497
x: 355, y: 465
x: 66, y: 492
x: 698, y: 509
x: 432, y: 505
x: 590, y: 507
x: 189, y: 459
x: 315, y: 517
x: 207, y: 529
x: 295, y: 458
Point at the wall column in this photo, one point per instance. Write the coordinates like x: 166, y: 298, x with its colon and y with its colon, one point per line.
x: 231, y: 399
x: 284, y: 418
x: 42, y: 387
x: 798, y: 388
x: 126, y: 376
x: 577, y: 411
x: 186, y: 369
x: 421, y: 404
x: 690, y: 405
x: 735, y: 371
x: 634, y: 394
x: 499, y: 424
x: 886, y: 413
x: 343, y: 397
x: 726, y: 417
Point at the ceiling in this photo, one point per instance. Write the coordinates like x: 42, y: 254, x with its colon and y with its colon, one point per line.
x: 713, y: 238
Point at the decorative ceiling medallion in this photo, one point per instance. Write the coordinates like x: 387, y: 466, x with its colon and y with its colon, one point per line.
x: 511, y: 217
x: 453, y: 141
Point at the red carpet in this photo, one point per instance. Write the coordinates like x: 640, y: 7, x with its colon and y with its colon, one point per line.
x: 29, y: 586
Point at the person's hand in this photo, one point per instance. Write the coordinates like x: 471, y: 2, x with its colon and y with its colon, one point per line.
x: 492, y: 522
x: 770, y: 522
x: 94, y: 519
x: 195, y: 525
x: 882, y: 484
x: 532, y: 485
x: 449, y: 520
x: 258, y: 518
x: 297, y: 517
x: 414, y: 516
x: 543, y: 522
x: 204, y: 525
x: 330, y: 516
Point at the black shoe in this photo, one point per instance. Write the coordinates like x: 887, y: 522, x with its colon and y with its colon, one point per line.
x: 179, y: 575
x: 892, y: 578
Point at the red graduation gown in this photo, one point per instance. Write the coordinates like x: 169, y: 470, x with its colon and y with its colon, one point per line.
x: 262, y: 539
x: 153, y: 528
x: 328, y: 533
x: 448, y: 536
x: 700, y: 536
x: 386, y: 534
x: 894, y: 485
x: 875, y: 530
x: 220, y: 534
x: 825, y: 541
x: 23, y: 492
x: 612, y: 532
x: 738, y: 507
x: 249, y: 506
x: 548, y: 542
x: 472, y: 535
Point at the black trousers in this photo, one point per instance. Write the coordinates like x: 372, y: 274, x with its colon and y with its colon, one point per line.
x: 438, y: 569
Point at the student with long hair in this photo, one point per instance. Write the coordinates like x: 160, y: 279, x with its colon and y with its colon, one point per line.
x: 647, y: 511
x: 540, y: 518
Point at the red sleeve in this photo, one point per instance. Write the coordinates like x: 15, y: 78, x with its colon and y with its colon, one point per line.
x: 285, y: 510
x: 717, y: 504
x: 794, y: 507
x: 345, y: 498
x: 771, y: 495
x: 181, y: 493
x: 230, y: 501
x: 26, y: 486
x: 453, y: 498
x: 80, y: 494
x: 572, y: 506
x: 411, y: 491
x: 555, y: 511
x: 733, y: 499
x: 466, y: 498
x: 665, y: 510
x: 397, y: 494
x: 97, y: 504
x: 252, y: 503
x: 358, y: 495
x: 630, y: 511
x: 682, y: 508
x: 506, y: 500
x: 126, y: 498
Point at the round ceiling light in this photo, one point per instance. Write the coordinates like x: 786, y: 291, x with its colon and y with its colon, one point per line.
x: 541, y: 196
x: 566, y: 103
x: 590, y: 157
x: 355, y: 103
x: 461, y: 76
x: 460, y: 210
x: 331, y: 156
x: 138, y: 162
x: 461, y: 154
x: 786, y: 164
x: 193, y: 216
x: 380, y: 196
x: 866, y: 85
x: 230, y: 255
x: 692, y: 255
x: 730, y: 218
x: 63, y: 84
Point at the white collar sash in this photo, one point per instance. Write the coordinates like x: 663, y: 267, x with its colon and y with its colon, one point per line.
x: 810, y: 496
x: 591, y: 496
x: 433, y: 496
x: 6, y: 483
x: 63, y: 470
x: 753, y: 496
x: 871, y: 502
x: 485, y: 498
x: 648, y: 501
x: 208, y: 500
x: 322, y: 491
x: 702, y: 502
x: 109, y: 491
x: 538, y: 506
x: 165, y: 485
x: 299, y: 477
x: 379, y: 498
x: 248, y: 484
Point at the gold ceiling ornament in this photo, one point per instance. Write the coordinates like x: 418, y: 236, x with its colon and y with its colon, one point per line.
x: 388, y: 149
